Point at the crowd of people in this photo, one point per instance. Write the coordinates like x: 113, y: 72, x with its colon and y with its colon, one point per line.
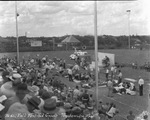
x: 34, y: 89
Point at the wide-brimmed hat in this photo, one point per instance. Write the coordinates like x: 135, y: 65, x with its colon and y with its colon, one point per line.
x: 15, y: 109
x: 50, y: 106
x: 33, y: 88
x: 14, y: 76
x: 56, y: 98
x: 82, y: 106
x: 34, y: 101
x: 22, y: 87
x: 78, y: 103
x: 76, y: 111
x: 67, y: 106
x: 90, y: 107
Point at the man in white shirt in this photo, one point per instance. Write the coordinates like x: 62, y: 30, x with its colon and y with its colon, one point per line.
x: 70, y: 74
x: 110, y: 87
x: 107, y: 74
x: 141, y: 83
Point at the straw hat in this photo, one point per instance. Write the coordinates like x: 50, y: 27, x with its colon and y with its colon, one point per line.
x: 14, y: 76
x: 33, y: 88
x: 67, y: 106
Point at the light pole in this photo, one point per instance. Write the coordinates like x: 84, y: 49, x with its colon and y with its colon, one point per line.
x: 16, y: 15
x: 96, y: 51
x: 128, y: 11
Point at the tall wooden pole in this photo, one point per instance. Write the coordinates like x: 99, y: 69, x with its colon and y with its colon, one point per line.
x: 96, y: 51
x: 16, y: 15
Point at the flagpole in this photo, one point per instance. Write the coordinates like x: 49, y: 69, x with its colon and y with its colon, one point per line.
x: 16, y: 15
x: 96, y: 51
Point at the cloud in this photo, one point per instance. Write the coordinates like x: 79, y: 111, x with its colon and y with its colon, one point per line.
x: 46, y: 18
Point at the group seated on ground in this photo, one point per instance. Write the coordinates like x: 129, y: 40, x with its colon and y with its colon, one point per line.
x: 124, y: 88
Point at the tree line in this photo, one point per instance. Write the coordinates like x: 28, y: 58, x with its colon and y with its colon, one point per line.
x: 8, y: 44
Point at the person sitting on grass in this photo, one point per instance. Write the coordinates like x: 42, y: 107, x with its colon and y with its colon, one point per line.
x: 131, y: 116
x: 85, y: 97
x: 112, y: 111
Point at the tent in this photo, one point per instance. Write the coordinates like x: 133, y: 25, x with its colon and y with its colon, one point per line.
x: 70, y: 40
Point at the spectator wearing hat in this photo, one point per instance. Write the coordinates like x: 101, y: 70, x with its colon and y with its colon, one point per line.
x: 68, y: 107
x: 20, y: 94
x: 33, y: 91
x: 33, y: 104
x: 131, y: 116
x: 8, y: 88
x: 50, y: 108
x: 76, y: 114
x: 19, y: 111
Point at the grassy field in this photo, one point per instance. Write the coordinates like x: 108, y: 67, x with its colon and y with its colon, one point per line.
x: 124, y: 102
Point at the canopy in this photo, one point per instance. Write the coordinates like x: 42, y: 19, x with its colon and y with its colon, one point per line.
x: 70, y: 39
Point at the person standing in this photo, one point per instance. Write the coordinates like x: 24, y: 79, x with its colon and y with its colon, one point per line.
x: 112, y: 71
x: 70, y: 74
x: 107, y: 74
x: 110, y: 86
x: 141, y: 83
x: 119, y: 77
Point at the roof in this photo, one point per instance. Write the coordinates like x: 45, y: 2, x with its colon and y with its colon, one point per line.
x: 70, y: 39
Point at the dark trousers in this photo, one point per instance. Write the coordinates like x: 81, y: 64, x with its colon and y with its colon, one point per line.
x: 70, y: 77
x: 107, y: 76
x: 141, y: 90
x: 119, y: 80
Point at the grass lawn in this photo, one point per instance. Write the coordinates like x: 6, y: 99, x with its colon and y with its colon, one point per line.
x: 124, y: 102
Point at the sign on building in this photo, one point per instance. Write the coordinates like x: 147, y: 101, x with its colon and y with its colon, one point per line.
x: 36, y: 43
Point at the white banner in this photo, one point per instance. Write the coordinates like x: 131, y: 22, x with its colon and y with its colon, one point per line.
x: 35, y: 43
x: 101, y: 56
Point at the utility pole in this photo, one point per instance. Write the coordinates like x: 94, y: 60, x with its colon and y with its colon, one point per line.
x: 16, y: 15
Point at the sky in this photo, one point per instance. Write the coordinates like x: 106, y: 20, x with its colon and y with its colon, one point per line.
x: 59, y: 18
